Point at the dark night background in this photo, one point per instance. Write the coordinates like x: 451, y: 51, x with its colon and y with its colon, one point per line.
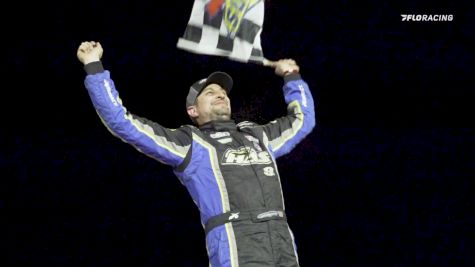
x: 385, y: 179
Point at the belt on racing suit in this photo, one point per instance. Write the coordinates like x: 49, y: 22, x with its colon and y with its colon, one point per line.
x: 234, y: 216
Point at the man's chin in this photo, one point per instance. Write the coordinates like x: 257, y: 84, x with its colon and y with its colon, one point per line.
x: 223, y: 112
x: 223, y: 116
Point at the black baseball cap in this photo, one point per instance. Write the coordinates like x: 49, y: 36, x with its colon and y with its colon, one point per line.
x: 218, y: 77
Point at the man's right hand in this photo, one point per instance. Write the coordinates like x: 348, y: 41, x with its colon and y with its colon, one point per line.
x: 89, y: 52
x: 283, y: 67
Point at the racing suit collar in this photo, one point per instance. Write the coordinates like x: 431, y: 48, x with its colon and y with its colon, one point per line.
x: 222, y: 125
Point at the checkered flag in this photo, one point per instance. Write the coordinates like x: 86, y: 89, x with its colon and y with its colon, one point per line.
x: 229, y: 28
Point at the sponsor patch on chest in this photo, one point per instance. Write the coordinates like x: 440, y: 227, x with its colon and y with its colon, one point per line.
x: 225, y: 140
x: 245, y: 156
x: 217, y: 135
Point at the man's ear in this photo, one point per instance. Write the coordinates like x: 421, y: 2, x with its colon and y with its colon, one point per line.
x: 192, y: 111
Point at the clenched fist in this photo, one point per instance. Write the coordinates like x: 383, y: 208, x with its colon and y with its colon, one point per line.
x: 284, y: 66
x: 89, y: 52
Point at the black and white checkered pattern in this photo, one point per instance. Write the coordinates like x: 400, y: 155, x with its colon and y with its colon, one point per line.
x: 209, y: 35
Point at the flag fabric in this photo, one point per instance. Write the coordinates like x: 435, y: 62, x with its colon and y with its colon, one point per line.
x: 229, y: 28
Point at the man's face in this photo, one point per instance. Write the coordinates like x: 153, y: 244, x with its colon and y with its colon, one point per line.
x: 212, y: 104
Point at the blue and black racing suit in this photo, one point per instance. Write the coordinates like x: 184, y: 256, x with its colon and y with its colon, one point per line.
x: 229, y: 169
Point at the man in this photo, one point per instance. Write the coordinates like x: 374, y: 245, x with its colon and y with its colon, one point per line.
x: 229, y: 169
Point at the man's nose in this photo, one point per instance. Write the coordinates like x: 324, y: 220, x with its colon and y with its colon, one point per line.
x: 221, y: 95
